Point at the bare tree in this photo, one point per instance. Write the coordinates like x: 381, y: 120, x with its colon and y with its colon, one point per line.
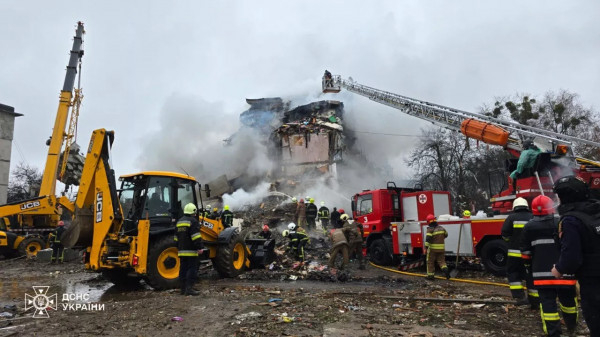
x: 24, y: 183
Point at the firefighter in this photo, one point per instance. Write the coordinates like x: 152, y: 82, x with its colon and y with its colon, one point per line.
x: 580, y: 245
x: 527, y: 160
x: 340, y: 222
x: 539, y: 245
x: 214, y: 215
x: 335, y: 218
x: 58, y: 250
x: 265, y: 233
x: 227, y: 217
x: 340, y: 245
x: 434, y: 247
x: 294, y: 200
x: 515, y: 269
x: 189, y: 245
x: 467, y: 214
x: 354, y: 235
x: 311, y: 214
x: 303, y: 240
x: 301, y: 213
x: 206, y: 212
x: 324, y: 216
x: 298, y: 241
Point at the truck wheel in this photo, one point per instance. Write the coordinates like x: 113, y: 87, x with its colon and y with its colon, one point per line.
x: 493, y: 256
x: 379, y: 253
x: 231, y: 258
x: 163, y: 264
x: 31, y: 245
x: 120, y: 277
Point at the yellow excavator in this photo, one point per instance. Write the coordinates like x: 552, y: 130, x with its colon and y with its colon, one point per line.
x: 26, y: 224
x: 128, y: 233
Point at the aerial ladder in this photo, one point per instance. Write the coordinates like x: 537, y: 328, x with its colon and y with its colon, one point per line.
x: 493, y: 131
x: 30, y: 221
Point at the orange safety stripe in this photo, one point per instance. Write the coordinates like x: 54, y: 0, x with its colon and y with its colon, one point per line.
x: 554, y: 282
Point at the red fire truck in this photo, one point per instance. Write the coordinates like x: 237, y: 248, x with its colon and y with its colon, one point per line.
x: 393, y: 221
x: 393, y: 218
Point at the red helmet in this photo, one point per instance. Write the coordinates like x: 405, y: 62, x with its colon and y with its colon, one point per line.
x: 302, y: 200
x: 341, y: 210
x: 61, y: 223
x: 266, y: 228
x: 542, y: 205
x: 430, y: 218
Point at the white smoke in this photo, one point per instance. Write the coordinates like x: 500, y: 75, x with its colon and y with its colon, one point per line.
x: 240, y: 198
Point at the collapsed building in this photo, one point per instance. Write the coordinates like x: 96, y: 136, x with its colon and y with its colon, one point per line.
x: 305, y: 143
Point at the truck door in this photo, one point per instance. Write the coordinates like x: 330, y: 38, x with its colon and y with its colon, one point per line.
x: 364, y: 212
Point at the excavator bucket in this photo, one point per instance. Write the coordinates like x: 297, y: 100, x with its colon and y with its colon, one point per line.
x: 331, y: 84
x: 262, y: 252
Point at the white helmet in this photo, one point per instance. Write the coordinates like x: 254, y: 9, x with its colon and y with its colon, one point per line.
x: 307, y: 198
x: 292, y: 226
x: 322, y: 203
x: 520, y: 202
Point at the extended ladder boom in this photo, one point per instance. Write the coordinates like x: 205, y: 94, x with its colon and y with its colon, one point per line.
x: 447, y: 117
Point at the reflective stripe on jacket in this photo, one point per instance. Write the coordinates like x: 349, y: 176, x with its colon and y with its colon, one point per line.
x: 540, y: 245
x: 435, y: 237
x: 188, y: 236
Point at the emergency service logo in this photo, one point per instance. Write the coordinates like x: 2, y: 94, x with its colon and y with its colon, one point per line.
x: 41, y: 301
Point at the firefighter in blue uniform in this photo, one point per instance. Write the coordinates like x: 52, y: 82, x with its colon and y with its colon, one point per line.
x: 512, y: 230
x: 579, y: 232
x: 189, y: 244
x: 540, y: 246
x: 324, y: 216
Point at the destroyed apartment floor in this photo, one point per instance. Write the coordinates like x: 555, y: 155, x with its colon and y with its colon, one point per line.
x: 371, y: 302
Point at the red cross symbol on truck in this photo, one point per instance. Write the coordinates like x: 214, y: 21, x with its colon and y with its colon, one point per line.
x: 422, y: 198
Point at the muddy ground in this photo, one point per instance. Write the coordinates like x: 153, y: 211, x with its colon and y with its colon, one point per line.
x: 373, y: 302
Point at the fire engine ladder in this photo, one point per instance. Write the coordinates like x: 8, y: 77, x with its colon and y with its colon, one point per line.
x: 448, y: 117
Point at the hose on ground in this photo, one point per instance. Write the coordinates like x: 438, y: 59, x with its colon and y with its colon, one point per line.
x: 441, y: 278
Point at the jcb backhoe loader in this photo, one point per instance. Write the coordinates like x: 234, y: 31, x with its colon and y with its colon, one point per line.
x: 128, y: 233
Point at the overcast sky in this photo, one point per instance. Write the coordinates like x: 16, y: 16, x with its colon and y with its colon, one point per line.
x: 144, y: 57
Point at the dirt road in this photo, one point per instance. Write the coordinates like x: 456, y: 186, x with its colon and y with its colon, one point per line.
x: 373, y: 302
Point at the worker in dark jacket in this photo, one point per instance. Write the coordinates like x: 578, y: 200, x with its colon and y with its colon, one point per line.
x: 311, y: 214
x: 335, y: 218
x: 265, y: 233
x: 214, y: 215
x: 354, y: 235
x: 435, y: 249
x: 227, y: 217
x: 298, y: 241
x: 515, y: 269
x: 58, y: 250
x: 539, y: 245
x: 579, y: 234
x: 189, y: 244
x: 324, y: 216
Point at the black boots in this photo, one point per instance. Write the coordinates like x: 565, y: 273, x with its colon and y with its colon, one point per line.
x: 191, y: 292
x: 447, y: 273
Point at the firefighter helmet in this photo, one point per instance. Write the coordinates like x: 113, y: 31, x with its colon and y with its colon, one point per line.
x: 189, y: 209
x: 285, y: 233
x: 430, y: 218
x: 301, y: 201
x: 344, y: 217
x: 467, y: 213
x: 226, y: 208
x: 520, y: 202
x: 311, y: 200
x: 208, y: 207
x: 542, y: 205
x: 341, y: 210
x: 61, y: 223
x: 322, y: 203
x: 571, y: 189
x: 307, y: 198
x: 265, y: 228
x: 215, y: 209
x: 292, y: 226
x: 294, y: 199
